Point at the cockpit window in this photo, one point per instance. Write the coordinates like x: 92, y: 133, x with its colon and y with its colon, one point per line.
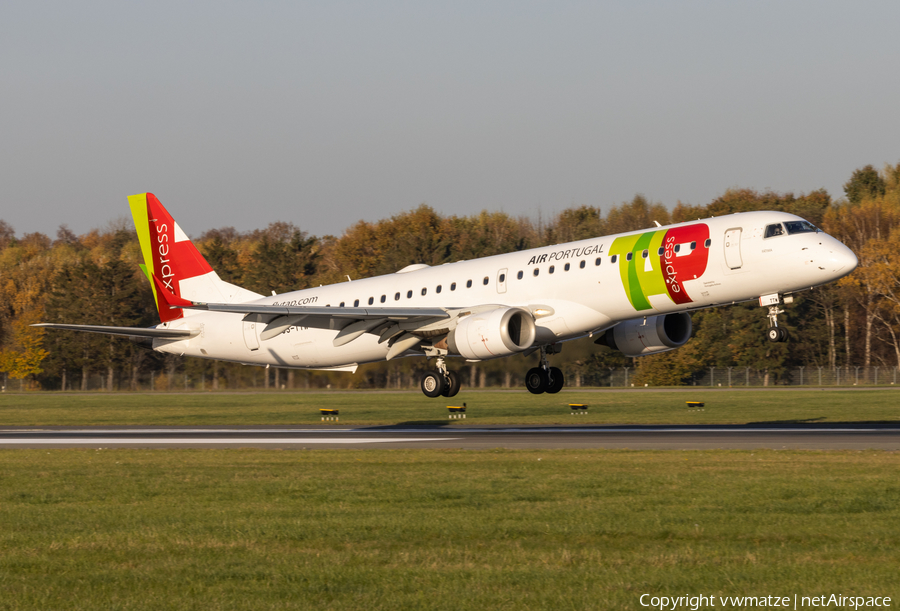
x: 799, y: 227
x: 774, y: 230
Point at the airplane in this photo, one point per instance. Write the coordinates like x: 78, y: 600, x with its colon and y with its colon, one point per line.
x: 633, y: 290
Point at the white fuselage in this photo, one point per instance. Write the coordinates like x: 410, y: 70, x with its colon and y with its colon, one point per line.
x: 573, y: 289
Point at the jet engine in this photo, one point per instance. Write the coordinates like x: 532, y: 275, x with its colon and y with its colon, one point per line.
x: 492, y: 333
x: 652, y: 336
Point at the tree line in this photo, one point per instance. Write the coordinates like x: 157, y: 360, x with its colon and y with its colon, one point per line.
x: 95, y: 279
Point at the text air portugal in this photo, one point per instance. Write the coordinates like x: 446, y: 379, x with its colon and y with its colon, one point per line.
x: 175, y: 258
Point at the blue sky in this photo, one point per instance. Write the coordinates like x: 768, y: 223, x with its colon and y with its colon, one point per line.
x: 324, y: 113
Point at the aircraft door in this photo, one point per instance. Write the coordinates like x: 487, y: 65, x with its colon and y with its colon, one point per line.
x: 733, y: 248
x: 501, y: 281
x: 251, y: 338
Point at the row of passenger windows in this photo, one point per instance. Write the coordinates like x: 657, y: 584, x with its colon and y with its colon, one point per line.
x: 646, y: 253
x: 521, y: 274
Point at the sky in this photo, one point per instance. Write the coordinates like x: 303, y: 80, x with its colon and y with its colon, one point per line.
x: 326, y: 113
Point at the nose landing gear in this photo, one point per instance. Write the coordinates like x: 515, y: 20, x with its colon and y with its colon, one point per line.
x: 774, y: 332
x: 545, y: 378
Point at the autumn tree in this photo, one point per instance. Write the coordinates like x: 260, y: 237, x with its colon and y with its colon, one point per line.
x: 864, y: 183
x: 25, y: 352
x: 284, y: 259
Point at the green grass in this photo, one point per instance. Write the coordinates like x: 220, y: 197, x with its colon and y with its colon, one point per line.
x: 485, y: 407
x: 394, y: 529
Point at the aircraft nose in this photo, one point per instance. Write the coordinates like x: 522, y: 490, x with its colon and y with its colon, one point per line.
x: 841, y: 259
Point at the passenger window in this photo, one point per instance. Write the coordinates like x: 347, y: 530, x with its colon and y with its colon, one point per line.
x: 598, y: 260
x: 371, y: 300
x: 409, y: 294
x: 614, y: 258
x: 468, y: 284
x: 645, y: 254
x: 693, y: 245
x: 424, y: 290
x: 629, y: 256
x: 485, y: 281
x: 677, y: 248
x: 396, y: 296
x: 519, y: 275
x: 581, y: 265
x: 356, y: 303
x: 453, y: 286
x: 552, y: 269
x: 660, y: 251
x: 437, y: 289
x: 567, y: 267
x: 383, y: 298
x: 342, y: 305
x: 537, y: 271
x: 774, y: 230
x: 707, y: 243
x: 502, y: 277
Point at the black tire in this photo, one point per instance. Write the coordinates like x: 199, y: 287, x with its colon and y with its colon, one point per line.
x: 784, y: 334
x: 432, y: 384
x: 774, y: 334
x: 557, y: 381
x: 451, y: 384
x: 536, y: 381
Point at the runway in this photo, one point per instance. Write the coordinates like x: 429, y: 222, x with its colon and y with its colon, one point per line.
x: 843, y: 436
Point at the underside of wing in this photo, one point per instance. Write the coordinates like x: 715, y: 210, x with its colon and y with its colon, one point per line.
x: 125, y: 331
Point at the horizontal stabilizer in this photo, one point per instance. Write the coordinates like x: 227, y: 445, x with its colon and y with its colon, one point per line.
x: 125, y: 331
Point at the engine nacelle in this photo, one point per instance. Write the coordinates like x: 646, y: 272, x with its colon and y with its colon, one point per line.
x: 658, y: 334
x: 493, y: 333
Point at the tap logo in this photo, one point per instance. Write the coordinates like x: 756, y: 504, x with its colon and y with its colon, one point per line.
x: 660, y: 262
x: 168, y: 253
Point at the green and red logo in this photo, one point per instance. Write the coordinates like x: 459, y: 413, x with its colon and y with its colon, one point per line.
x: 659, y: 262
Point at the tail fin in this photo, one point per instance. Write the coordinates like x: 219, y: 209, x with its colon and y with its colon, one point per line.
x: 175, y: 261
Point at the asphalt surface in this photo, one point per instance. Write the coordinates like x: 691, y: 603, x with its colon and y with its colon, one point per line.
x: 845, y: 436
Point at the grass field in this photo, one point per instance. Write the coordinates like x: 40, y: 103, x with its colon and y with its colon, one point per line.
x: 395, y: 529
x: 637, y: 406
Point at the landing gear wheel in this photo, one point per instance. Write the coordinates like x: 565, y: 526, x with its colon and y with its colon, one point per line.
x: 536, y: 380
x: 432, y: 384
x: 557, y: 381
x: 777, y: 334
x: 451, y: 384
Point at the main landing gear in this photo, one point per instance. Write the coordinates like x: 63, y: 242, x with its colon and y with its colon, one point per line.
x: 545, y: 378
x: 440, y: 381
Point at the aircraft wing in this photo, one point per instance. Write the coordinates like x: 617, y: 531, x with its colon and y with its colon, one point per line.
x: 125, y: 331
x: 390, y: 324
x: 402, y: 328
x: 345, y: 313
